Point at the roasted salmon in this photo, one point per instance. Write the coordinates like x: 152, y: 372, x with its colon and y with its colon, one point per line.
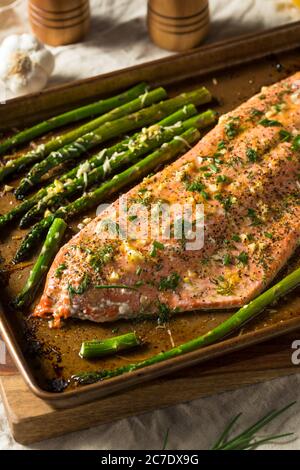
x: 246, y: 175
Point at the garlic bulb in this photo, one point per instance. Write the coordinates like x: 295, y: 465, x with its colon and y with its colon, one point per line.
x: 25, y: 64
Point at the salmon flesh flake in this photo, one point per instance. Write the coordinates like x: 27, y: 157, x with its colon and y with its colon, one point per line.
x: 245, y: 173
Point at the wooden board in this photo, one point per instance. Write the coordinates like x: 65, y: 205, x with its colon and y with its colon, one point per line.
x: 31, y: 419
x: 234, y: 70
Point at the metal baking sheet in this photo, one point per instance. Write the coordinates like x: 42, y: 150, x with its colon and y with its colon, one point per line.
x: 233, y: 70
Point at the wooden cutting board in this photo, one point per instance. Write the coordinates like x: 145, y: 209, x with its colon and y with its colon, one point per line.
x: 32, y: 420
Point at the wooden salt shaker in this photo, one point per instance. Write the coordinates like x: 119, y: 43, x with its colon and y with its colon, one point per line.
x: 178, y: 25
x: 59, y: 22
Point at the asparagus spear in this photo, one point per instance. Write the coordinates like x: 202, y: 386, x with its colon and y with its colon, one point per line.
x: 21, y: 209
x: 93, y: 109
x: 16, y: 165
x: 106, y: 132
x: 43, y: 262
x: 167, y: 152
x: 243, y: 315
x: 97, y: 160
x: 145, y: 143
x: 106, y: 347
x: 32, y: 238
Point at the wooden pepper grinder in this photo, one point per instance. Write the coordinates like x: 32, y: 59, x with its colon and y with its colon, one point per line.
x: 59, y: 22
x: 178, y: 25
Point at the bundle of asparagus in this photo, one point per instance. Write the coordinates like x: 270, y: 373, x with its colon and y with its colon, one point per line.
x: 73, y: 145
x: 111, y: 128
x: 164, y: 154
x: 96, y: 161
x: 77, y: 114
x: 133, y: 99
x: 127, y: 150
x: 139, y: 148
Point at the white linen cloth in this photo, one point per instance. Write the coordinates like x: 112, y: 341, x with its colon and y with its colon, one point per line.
x: 118, y: 38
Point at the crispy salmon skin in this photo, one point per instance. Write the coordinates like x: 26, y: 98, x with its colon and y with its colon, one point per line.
x: 245, y: 174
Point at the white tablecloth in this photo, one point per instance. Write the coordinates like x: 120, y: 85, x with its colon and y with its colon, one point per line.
x: 118, y: 38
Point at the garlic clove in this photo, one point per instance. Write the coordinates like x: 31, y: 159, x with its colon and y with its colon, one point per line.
x: 37, y: 79
x: 4, y: 64
x: 32, y: 82
x: 17, y: 84
x: 29, y: 43
x: 11, y: 43
x: 44, y: 59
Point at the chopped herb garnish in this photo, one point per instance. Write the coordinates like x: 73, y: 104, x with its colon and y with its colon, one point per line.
x: 254, y: 217
x: 270, y: 123
x: 243, y: 258
x: 296, y: 143
x: 232, y: 128
x: 169, y: 282
x: 196, y: 186
x: 115, y: 286
x: 85, y: 249
x: 236, y: 238
x: 112, y: 226
x: 81, y: 288
x: 101, y: 257
x: 278, y: 107
x: 163, y: 313
x: 156, y: 246
x: 255, y: 113
x: 251, y: 155
x: 224, y: 286
x: 138, y: 271
x: 144, y: 197
x: 131, y: 218
x: 269, y: 235
x: 205, y: 195
x: 225, y: 201
x: 227, y: 260
x: 61, y: 268
x: 223, y: 179
x: 221, y: 145
x: 214, y: 168
x: 285, y: 136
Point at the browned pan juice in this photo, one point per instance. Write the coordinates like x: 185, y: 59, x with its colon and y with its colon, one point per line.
x: 53, y: 354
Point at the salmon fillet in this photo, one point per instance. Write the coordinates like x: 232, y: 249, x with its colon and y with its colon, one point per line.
x: 246, y: 175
